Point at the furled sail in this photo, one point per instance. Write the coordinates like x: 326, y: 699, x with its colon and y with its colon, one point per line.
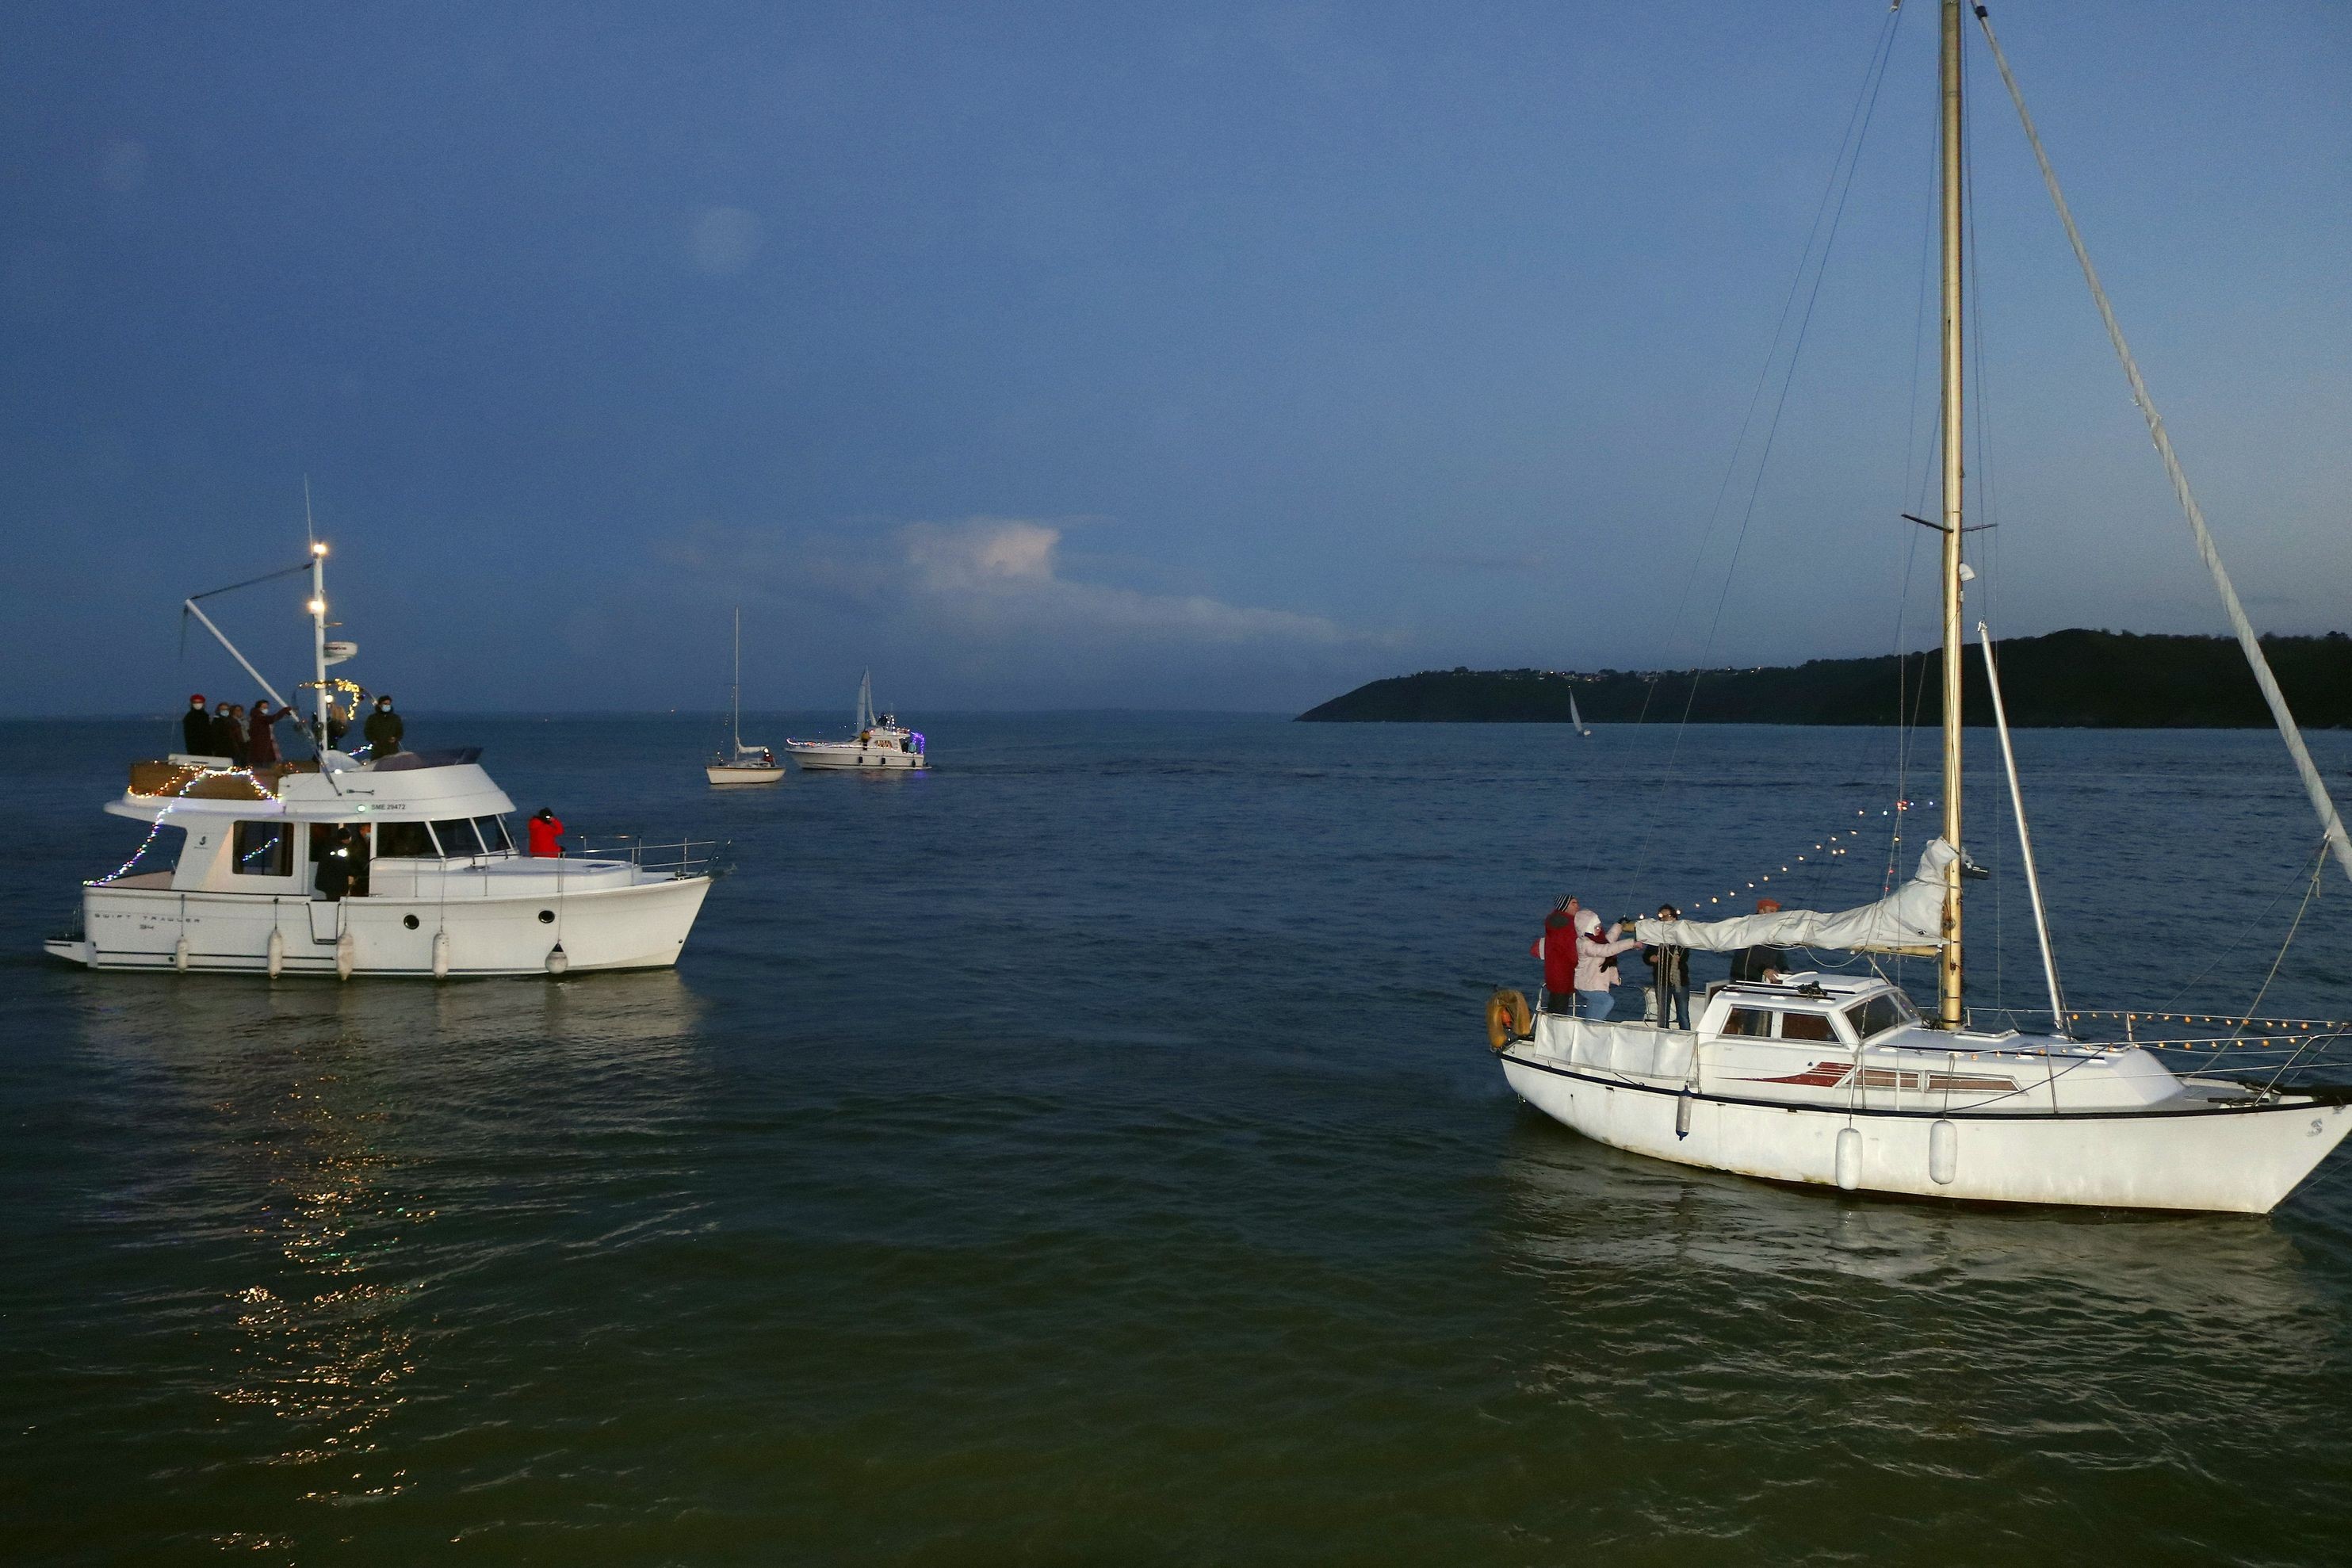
x: 1909, y: 917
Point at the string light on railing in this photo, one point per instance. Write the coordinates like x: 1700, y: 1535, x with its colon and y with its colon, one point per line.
x: 1834, y: 846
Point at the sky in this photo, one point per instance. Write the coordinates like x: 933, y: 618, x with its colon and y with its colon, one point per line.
x: 1074, y: 356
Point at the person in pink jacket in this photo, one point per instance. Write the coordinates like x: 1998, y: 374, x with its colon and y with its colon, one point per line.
x: 1596, y: 962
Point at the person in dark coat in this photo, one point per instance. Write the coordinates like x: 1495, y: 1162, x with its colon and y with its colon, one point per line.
x: 1762, y: 962
x: 227, y: 737
x: 331, y: 847
x: 383, y: 730
x: 235, y: 734
x: 262, y: 735
x: 196, y: 728
x: 1670, y: 977
x: 1557, y: 948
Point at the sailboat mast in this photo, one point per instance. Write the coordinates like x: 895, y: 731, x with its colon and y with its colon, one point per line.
x: 735, y: 687
x: 1947, y: 987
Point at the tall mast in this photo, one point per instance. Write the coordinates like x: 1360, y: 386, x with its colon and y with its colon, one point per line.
x: 1947, y: 987
x: 317, y: 617
x: 735, y: 688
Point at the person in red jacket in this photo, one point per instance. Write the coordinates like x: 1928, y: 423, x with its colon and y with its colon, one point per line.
x: 1557, y: 948
x: 543, y: 834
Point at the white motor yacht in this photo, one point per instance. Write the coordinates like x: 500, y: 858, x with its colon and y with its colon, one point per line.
x: 400, y: 864
x: 881, y: 743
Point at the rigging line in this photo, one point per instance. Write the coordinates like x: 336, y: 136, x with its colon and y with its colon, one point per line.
x: 2314, y: 785
x: 1867, y: 94
x: 2319, y: 865
x: 2245, y: 934
x: 1788, y: 379
x: 249, y: 582
x: 1840, y: 185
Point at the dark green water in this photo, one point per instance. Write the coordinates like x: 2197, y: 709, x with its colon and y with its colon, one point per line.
x: 1089, y: 1153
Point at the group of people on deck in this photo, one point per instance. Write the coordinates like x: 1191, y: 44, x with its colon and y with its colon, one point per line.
x: 250, y: 740
x: 1580, y: 964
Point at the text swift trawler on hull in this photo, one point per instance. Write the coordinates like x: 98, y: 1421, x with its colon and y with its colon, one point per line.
x: 1840, y: 1082
x: 398, y: 863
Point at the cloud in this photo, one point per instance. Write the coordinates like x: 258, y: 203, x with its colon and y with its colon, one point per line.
x: 1002, y: 575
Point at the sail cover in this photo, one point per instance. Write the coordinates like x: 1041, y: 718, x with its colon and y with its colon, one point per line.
x: 1911, y: 916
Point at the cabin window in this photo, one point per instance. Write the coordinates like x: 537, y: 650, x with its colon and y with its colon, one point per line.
x: 1747, y: 1021
x: 1887, y: 1010
x: 1806, y: 1026
x: 457, y: 839
x: 406, y: 841
x: 263, y: 849
x: 493, y: 834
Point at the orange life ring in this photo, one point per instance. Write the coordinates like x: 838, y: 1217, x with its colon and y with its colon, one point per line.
x: 1507, y: 1018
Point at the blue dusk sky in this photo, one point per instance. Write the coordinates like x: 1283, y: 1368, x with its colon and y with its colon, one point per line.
x: 1210, y: 356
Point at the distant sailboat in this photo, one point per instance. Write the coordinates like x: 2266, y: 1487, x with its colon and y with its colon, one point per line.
x: 1575, y: 719
x: 745, y: 764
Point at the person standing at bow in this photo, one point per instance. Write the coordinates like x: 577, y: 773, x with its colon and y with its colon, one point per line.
x: 543, y: 835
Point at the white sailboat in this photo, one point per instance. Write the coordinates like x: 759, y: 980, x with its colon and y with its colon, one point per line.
x: 746, y: 763
x: 882, y: 741
x: 1840, y: 1081
x: 1576, y: 720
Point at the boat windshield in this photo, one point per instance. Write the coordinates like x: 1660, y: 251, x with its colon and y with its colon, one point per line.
x: 1887, y: 1010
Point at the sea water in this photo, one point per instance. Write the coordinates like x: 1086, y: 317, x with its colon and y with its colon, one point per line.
x: 1089, y: 1152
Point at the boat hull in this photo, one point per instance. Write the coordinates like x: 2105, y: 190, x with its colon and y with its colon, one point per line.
x: 640, y: 926
x: 2242, y: 1159
x: 726, y: 774
x: 856, y: 757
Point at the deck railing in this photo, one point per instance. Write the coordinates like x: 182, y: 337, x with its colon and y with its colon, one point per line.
x: 674, y: 858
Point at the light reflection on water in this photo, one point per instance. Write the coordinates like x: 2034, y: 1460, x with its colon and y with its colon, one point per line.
x: 315, y: 1149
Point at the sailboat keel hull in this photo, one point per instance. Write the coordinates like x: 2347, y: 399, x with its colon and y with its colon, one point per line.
x: 2229, y: 1159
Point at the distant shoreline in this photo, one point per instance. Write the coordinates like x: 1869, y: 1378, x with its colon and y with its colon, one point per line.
x: 2069, y: 679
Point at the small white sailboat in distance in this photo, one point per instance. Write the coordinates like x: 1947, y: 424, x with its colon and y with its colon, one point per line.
x: 1576, y: 720
x: 746, y: 763
x: 882, y: 741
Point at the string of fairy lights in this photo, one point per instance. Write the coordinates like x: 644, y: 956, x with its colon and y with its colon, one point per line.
x: 1831, y: 847
x: 2276, y: 1032
x: 189, y: 779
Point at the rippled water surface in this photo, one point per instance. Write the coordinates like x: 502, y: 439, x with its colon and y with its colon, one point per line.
x: 1089, y: 1153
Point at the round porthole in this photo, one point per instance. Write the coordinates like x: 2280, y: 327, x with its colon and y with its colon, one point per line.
x: 546, y: 917
x: 408, y: 920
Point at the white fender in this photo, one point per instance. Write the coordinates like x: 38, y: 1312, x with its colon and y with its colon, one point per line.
x: 180, y: 953
x: 347, y: 953
x: 440, y: 955
x: 1849, y: 1158
x: 276, y: 951
x: 1944, y: 1152
x: 557, y: 961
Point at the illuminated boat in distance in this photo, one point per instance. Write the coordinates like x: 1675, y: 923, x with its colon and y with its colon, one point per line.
x: 881, y: 743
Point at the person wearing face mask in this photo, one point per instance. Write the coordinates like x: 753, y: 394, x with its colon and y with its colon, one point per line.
x: 383, y: 730
x: 196, y: 728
